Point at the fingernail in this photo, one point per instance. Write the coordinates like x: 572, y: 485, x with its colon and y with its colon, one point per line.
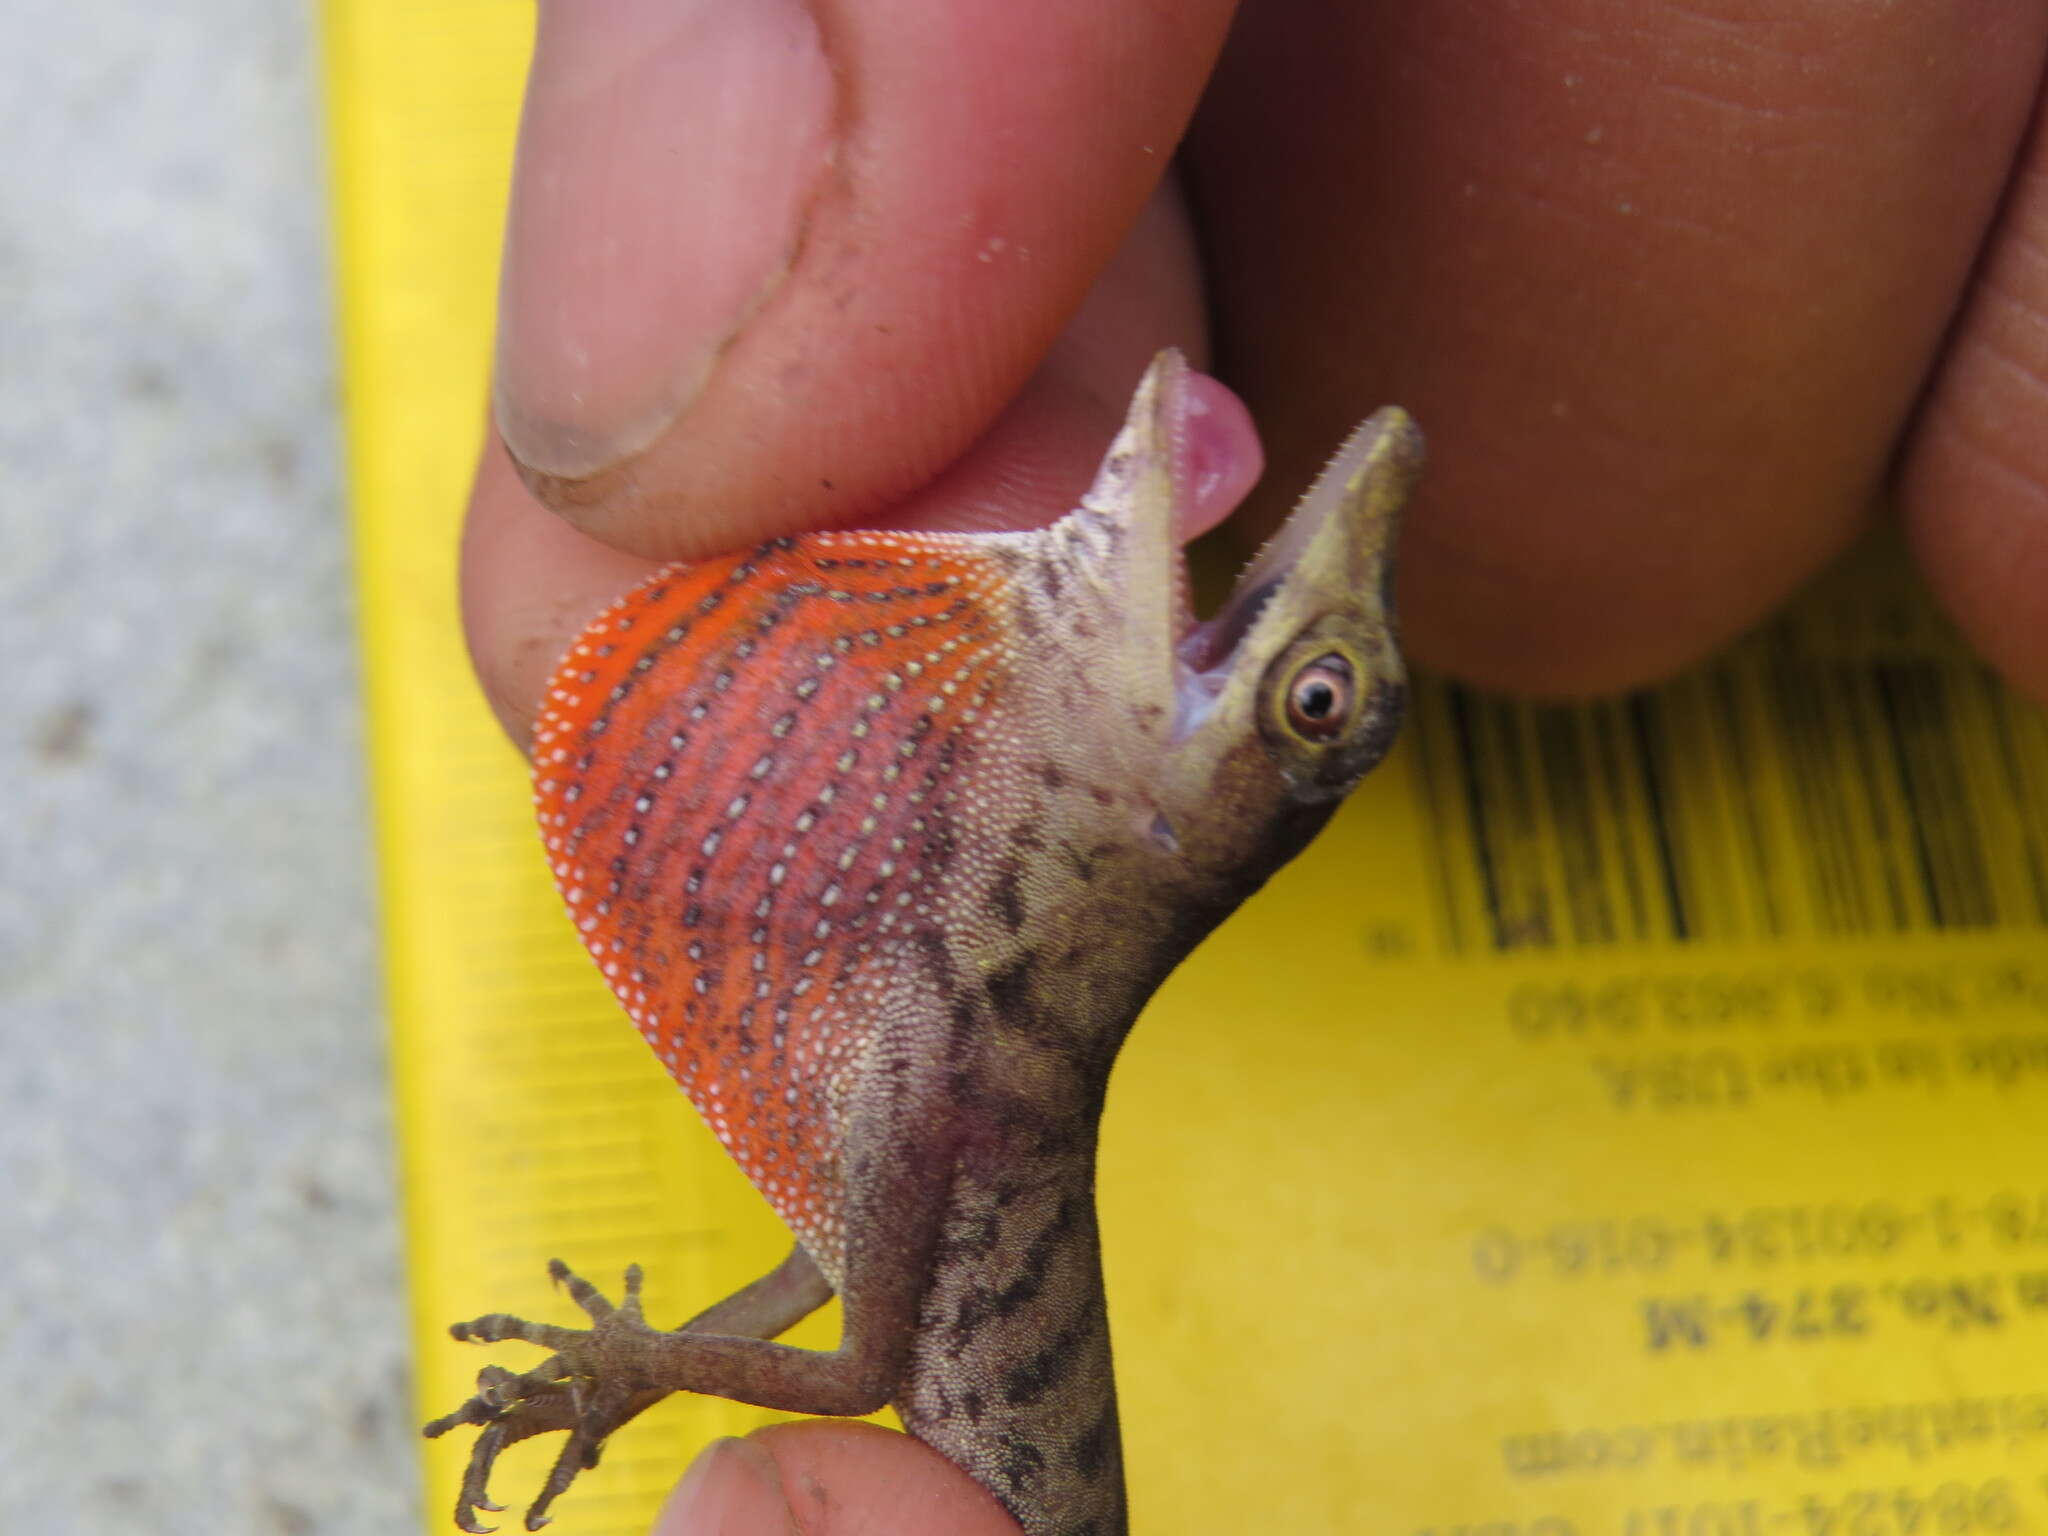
x: 668, y: 153
x: 733, y: 1488
x: 1219, y: 454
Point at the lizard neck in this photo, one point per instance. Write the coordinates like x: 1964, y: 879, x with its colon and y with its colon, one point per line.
x: 1010, y: 1375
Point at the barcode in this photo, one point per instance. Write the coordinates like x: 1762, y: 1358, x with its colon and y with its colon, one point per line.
x: 1845, y: 773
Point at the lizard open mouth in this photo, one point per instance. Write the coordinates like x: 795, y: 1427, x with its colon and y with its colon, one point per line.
x: 1206, y: 650
x: 1332, y: 555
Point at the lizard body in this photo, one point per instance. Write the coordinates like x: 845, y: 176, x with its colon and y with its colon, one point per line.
x: 883, y: 840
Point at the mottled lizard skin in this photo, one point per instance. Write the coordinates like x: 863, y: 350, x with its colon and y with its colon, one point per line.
x: 883, y: 840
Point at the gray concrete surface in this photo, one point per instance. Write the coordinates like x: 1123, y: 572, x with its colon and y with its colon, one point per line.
x: 200, y: 1327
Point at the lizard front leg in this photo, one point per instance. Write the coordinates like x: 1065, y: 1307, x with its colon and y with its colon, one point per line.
x: 598, y: 1378
x: 551, y: 1397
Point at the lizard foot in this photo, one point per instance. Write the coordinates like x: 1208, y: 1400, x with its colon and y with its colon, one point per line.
x: 587, y: 1386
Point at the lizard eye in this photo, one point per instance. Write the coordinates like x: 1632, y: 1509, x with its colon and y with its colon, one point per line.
x: 1320, y: 698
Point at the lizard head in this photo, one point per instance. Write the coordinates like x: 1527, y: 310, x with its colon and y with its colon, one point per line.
x: 1247, y: 727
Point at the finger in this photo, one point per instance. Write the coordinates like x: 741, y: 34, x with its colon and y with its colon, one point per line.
x: 772, y: 264
x: 530, y: 581
x: 1974, y: 488
x: 1660, y: 283
x: 733, y: 1488
x: 828, y: 1479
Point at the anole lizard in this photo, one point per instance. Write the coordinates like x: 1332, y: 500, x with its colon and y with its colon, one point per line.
x: 883, y: 840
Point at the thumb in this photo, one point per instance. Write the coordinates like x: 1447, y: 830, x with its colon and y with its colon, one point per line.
x: 773, y: 264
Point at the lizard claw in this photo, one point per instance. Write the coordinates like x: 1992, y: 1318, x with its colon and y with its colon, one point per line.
x: 581, y: 1388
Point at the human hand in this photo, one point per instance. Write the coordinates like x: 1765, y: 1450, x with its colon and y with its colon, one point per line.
x: 1675, y: 295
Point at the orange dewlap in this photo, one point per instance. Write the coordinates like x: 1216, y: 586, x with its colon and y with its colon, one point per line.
x: 735, y: 769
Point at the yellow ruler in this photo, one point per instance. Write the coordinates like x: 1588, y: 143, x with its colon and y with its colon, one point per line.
x: 1625, y: 1121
